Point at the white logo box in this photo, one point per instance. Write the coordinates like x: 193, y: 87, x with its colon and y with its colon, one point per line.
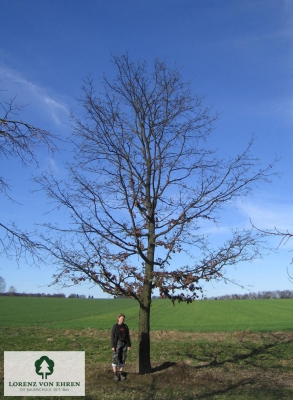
x: 44, y: 373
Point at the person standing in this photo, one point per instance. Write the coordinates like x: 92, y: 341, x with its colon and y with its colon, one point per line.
x: 120, y: 344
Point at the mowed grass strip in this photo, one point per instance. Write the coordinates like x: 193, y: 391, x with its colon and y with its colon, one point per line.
x: 200, y: 316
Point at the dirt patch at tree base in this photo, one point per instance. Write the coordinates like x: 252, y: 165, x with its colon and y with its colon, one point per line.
x: 180, y: 379
x: 214, y: 366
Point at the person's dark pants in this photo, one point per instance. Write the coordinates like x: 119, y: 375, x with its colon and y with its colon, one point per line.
x: 119, y: 355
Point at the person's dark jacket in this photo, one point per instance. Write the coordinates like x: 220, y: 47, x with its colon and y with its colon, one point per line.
x: 121, y: 330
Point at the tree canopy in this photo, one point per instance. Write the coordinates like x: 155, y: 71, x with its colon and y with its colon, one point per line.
x: 142, y: 182
x: 19, y: 140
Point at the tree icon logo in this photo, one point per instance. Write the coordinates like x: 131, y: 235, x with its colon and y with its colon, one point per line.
x: 44, y: 366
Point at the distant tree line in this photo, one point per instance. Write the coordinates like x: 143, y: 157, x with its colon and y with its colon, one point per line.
x: 79, y: 296
x: 32, y: 294
x: 268, y: 294
x: 59, y: 295
x: 275, y: 294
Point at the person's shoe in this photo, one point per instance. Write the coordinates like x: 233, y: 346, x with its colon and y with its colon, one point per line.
x: 121, y: 376
x: 116, y: 377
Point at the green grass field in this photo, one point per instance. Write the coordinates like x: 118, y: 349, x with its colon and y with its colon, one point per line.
x: 200, y: 316
x: 214, y: 350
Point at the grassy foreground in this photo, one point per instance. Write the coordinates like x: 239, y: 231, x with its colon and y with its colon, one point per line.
x: 186, y: 366
x: 189, y: 361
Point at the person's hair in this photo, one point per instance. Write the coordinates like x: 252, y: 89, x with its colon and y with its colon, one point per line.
x: 120, y: 315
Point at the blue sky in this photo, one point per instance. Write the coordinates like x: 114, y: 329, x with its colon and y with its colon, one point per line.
x: 237, y: 53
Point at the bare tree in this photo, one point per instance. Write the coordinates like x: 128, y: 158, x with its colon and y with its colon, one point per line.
x: 140, y: 186
x: 12, y: 289
x: 2, y: 285
x: 283, y: 236
x: 18, y: 140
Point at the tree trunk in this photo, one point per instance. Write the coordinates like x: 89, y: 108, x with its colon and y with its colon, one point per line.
x: 144, y: 349
x: 144, y: 345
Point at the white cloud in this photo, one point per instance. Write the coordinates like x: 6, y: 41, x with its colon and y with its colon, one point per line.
x: 33, y: 93
x: 55, y: 108
x: 52, y: 165
x: 268, y: 214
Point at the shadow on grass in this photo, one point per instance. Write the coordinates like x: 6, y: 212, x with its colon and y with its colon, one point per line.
x: 248, y: 369
x: 251, y: 354
x: 163, y: 366
x: 264, y: 362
